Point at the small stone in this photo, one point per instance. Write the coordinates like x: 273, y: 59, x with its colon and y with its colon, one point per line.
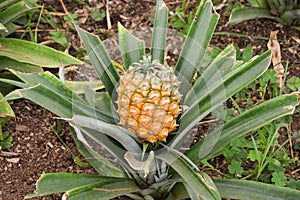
x: 50, y: 144
x: 20, y: 127
x: 13, y: 160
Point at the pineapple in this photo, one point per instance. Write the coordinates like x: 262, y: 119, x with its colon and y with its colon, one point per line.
x: 148, y: 100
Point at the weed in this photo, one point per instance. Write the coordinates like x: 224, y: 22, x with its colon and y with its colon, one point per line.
x: 262, y: 155
x: 232, y: 6
x: 97, y: 15
x: 293, y: 84
x: 60, y: 37
x: 5, y: 138
x: 180, y: 20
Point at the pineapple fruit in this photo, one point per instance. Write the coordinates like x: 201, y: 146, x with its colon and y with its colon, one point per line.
x: 148, y: 100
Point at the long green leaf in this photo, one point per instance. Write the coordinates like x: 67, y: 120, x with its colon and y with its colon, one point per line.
x: 48, y: 91
x: 195, y: 45
x: 119, y: 133
x: 86, y: 134
x: 132, y: 49
x: 222, y: 64
x: 200, y: 184
x: 13, y: 12
x: 78, y: 184
x: 100, y: 60
x: 96, y: 160
x: 159, y: 36
x: 9, y: 29
x: 291, y: 17
x: 5, y: 3
x: 217, y: 93
x: 102, y: 102
x: 2, y: 28
x: 276, y: 5
x: 249, y: 190
x: 79, y: 86
x: 179, y: 191
x: 191, y: 193
x: 105, y: 191
x: 35, y: 54
x: 242, y: 124
x: 8, y: 63
x: 41, y: 96
x: 242, y: 14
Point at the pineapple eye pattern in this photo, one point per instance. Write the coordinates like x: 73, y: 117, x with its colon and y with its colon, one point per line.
x: 148, y: 101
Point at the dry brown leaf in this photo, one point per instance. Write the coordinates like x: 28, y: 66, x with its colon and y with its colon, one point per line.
x: 274, y: 45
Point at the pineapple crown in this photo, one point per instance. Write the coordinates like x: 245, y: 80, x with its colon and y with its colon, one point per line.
x: 146, y: 63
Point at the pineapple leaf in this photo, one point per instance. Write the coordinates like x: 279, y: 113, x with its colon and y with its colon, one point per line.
x: 179, y: 191
x: 105, y: 191
x: 291, y: 17
x: 144, y: 166
x: 85, y: 135
x: 40, y: 95
x: 83, y: 186
x: 242, y: 124
x: 199, y: 182
x: 12, y: 10
x: 96, y: 160
x: 48, y: 91
x: 195, y: 45
x: 26, y: 52
x: 191, y: 193
x: 218, y: 92
x: 214, y: 71
x: 9, y: 63
x: 100, y: 60
x: 128, y: 140
x: 102, y: 102
x: 159, y: 35
x: 242, y: 14
x: 132, y: 49
x: 248, y: 190
x: 79, y: 87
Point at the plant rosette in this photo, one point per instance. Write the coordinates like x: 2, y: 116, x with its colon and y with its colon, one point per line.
x: 145, y: 116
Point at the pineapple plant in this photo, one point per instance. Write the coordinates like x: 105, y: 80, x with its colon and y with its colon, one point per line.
x: 141, y: 122
x: 286, y: 12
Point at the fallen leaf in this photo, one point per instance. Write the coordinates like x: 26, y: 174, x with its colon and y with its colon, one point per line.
x: 274, y: 45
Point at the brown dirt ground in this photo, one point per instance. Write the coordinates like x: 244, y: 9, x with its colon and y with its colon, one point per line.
x: 36, y: 149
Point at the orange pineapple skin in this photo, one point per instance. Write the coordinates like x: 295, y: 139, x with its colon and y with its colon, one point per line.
x: 148, y: 101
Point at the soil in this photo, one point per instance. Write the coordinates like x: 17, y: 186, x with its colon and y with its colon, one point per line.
x: 37, y: 149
